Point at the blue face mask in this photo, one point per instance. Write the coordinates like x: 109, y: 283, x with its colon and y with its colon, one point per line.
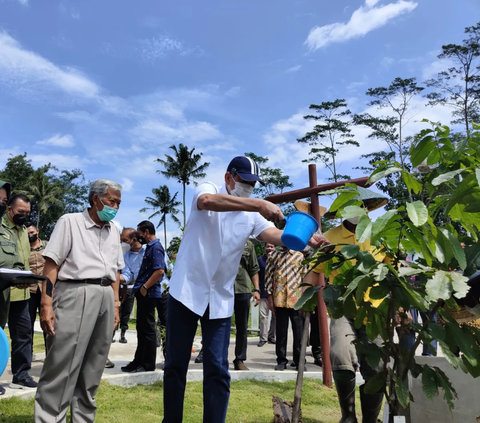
x: 107, y: 213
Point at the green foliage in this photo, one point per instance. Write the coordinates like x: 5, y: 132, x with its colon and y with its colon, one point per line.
x: 185, y: 167
x: 52, y: 193
x: 331, y: 133
x: 439, y: 256
x: 174, y: 246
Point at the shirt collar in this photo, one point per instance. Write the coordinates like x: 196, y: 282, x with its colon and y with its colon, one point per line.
x: 153, y: 241
x: 346, y: 233
x: 8, y: 223
x: 41, y: 247
x: 89, y: 223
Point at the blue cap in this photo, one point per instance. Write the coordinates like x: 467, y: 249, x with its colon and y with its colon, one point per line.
x: 246, y: 168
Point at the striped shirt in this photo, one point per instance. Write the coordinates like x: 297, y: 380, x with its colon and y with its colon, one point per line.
x: 283, y: 275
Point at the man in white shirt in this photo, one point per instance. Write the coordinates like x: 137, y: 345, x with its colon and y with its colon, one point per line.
x: 202, y: 284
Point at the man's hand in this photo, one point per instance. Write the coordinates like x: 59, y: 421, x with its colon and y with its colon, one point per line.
x: 143, y: 291
x: 256, y: 299
x: 271, y: 211
x: 271, y: 305
x: 317, y: 241
x: 117, y: 316
x: 47, y: 320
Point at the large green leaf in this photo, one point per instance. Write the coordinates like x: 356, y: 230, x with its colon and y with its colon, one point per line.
x: 445, y: 177
x: 419, y: 152
x: 382, y: 221
x: 350, y: 251
x: 440, y: 286
x: 461, y: 192
x: 365, y: 261
x: 344, y: 198
x: 380, y: 272
x: 458, y: 251
x: 412, y: 183
x: 375, y: 384
x: 449, y: 393
x: 429, y: 382
x: 307, y: 295
x: 473, y: 258
x: 353, y: 211
x: 459, y: 284
x: 403, y: 394
x: 364, y: 229
x: 417, y: 212
x: 376, y: 176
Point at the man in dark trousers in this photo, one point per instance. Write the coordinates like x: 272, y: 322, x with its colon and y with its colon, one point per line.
x: 148, y: 292
x: 266, y: 334
x: 246, y: 275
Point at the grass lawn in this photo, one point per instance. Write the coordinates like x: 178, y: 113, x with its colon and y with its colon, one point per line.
x: 250, y: 402
x: 38, y: 343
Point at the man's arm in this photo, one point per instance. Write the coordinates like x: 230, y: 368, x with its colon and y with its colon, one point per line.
x: 274, y: 235
x: 226, y: 203
x: 256, y: 285
x: 47, y: 316
x: 116, y: 297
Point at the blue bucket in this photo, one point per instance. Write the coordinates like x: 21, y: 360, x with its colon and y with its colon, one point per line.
x: 298, y: 231
x: 4, y: 351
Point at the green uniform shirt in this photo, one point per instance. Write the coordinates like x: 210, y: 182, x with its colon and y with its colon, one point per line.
x: 248, y: 267
x: 20, y: 237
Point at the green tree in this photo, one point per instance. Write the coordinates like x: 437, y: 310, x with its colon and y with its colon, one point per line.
x: 331, y: 133
x: 163, y: 204
x: 185, y: 166
x: 174, y: 246
x: 459, y: 85
x: 45, y: 192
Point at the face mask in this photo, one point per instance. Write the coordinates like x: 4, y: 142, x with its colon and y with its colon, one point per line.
x: 125, y: 247
x: 3, y: 208
x: 32, y: 238
x: 20, y: 219
x: 141, y: 240
x: 354, y: 220
x: 242, y: 190
x: 107, y: 214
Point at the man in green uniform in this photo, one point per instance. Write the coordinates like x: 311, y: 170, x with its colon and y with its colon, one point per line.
x: 18, y: 210
x: 9, y: 256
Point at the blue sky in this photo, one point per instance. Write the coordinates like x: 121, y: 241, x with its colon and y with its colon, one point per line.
x: 107, y: 86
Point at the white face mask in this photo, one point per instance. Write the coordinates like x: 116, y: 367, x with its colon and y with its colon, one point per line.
x: 242, y: 190
x: 125, y: 247
x: 354, y: 220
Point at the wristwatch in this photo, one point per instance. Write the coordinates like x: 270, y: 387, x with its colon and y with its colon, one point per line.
x: 257, y: 290
x: 145, y: 287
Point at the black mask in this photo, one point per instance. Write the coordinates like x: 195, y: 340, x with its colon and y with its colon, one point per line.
x: 3, y: 207
x: 32, y: 238
x: 141, y: 240
x: 20, y: 219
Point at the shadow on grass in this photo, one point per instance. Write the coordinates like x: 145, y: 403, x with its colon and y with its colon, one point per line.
x: 16, y: 419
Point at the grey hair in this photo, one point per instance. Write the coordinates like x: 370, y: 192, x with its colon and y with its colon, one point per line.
x: 100, y: 187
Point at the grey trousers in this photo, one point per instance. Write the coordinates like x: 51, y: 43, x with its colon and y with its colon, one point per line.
x: 84, y: 318
x: 343, y: 353
x: 265, y: 333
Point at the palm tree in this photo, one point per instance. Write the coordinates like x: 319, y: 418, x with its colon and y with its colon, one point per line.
x: 43, y: 192
x: 163, y: 204
x: 184, y: 166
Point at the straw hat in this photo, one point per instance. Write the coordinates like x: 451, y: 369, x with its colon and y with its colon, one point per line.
x: 305, y: 207
x: 372, y: 201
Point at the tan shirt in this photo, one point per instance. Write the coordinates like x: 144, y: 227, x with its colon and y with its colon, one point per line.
x: 37, y: 263
x: 84, y: 250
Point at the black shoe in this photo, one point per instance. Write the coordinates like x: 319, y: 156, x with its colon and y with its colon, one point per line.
x: 318, y: 362
x: 28, y: 382
x: 123, y: 340
x: 2, y: 390
x: 199, y: 358
x: 272, y: 341
x: 281, y: 366
x: 292, y: 364
x: 109, y: 364
x: 131, y: 368
x: 261, y: 344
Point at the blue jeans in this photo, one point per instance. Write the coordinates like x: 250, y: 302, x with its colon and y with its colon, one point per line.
x: 181, y: 327
x: 408, y: 340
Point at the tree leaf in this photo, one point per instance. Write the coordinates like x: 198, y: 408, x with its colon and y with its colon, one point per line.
x: 376, y: 176
x: 449, y: 393
x: 419, y: 152
x: 364, y: 229
x: 343, y: 199
x: 353, y: 211
x: 350, y: 251
x: 375, y: 384
x: 458, y: 251
x: 307, y: 295
x: 439, y: 287
x: 412, y: 183
x: 417, y: 212
x: 382, y: 221
x: 403, y: 394
x: 459, y: 284
x: 445, y: 177
x: 380, y: 272
x: 429, y: 382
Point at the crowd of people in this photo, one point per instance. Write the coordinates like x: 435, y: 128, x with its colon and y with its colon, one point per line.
x: 94, y: 273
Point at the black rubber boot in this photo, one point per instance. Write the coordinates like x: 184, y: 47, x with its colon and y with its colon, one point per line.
x: 346, y: 399
x: 371, y: 406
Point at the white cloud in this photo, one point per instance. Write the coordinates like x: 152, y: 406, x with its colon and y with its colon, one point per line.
x: 26, y: 71
x: 233, y: 92
x: 387, y: 62
x: 58, y: 140
x: 23, y: 2
x: 127, y: 184
x: 155, y: 48
x: 61, y: 161
x: 294, y: 69
x: 363, y: 20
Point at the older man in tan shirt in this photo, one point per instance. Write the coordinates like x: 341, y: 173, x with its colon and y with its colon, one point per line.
x: 83, y: 260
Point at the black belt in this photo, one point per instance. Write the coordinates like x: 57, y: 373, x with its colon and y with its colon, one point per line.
x: 99, y: 281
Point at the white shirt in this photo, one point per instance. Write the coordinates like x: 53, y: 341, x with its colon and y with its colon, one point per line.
x: 209, y: 255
